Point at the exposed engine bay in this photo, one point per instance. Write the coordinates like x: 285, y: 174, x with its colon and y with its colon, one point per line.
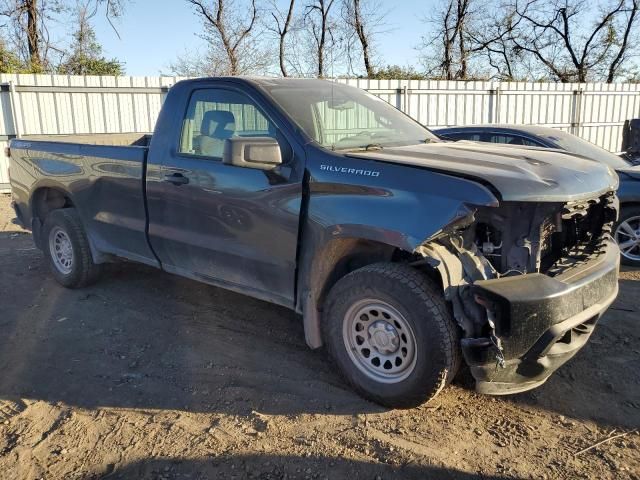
x: 512, y: 240
x: 519, y: 238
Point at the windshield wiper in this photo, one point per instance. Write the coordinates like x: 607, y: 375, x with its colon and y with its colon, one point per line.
x: 366, y: 148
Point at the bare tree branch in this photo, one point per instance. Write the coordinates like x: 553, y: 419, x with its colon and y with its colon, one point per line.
x: 320, y: 29
x: 617, y: 60
x: 282, y: 31
x: 362, y: 18
x: 232, y: 35
x: 560, y: 38
x: 30, y: 21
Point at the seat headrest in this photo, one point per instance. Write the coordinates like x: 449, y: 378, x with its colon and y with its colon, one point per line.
x: 218, y: 123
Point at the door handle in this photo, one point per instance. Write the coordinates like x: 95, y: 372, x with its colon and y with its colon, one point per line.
x: 176, y: 178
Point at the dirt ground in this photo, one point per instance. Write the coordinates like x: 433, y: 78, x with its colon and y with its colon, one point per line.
x: 148, y: 375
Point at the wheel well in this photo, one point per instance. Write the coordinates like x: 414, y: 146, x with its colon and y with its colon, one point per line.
x: 343, y: 256
x: 46, y: 199
x: 43, y: 201
x: 339, y: 258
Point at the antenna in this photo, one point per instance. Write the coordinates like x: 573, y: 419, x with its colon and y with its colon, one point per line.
x: 333, y: 81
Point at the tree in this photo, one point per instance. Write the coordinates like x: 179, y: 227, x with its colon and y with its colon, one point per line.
x: 394, y: 72
x: 363, y: 20
x: 491, y: 41
x: 352, y: 14
x: 560, y: 38
x: 9, y: 61
x: 27, y: 20
x: 231, y: 38
x: 321, y: 27
x: 447, y: 50
x: 28, y: 23
x: 281, y: 29
x: 472, y: 40
x: 197, y: 64
x: 86, y: 53
x: 633, y: 76
x: 33, y: 33
x: 615, y: 67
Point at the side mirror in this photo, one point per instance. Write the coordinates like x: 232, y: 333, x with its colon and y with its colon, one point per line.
x: 262, y: 153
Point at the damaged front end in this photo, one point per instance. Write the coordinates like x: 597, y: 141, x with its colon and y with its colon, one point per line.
x: 527, y: 282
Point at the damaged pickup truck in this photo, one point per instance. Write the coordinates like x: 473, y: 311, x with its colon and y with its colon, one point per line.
x: 405, y: 255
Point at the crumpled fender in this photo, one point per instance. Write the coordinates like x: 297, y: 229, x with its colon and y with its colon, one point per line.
x: 397, y: 207
x: 388, y: 202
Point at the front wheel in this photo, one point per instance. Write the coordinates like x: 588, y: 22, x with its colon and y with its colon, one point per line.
x: 391, y: 334
x: 627, y: 234
x: 67, y: 249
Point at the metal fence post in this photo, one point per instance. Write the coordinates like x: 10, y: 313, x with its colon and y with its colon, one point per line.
x: 14, y: 114
x: 577, y: 111
x: 494, y: 105
x: 405, y: 92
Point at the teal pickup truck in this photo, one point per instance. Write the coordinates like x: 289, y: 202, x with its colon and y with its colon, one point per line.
x: 405, y: 255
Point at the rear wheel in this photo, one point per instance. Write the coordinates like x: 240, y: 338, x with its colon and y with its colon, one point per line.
x: 627, y: 234
x: 67, y: 249
x: 390, y: 332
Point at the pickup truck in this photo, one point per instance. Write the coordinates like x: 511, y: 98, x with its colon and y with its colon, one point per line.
x: 405, y: 255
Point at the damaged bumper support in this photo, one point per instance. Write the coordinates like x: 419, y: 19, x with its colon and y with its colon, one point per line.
x: 540, y: 321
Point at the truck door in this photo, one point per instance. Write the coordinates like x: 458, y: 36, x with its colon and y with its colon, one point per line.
x: 231, y: 226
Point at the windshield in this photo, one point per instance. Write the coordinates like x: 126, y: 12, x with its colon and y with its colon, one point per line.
x: 574, y: 144
x: 340, y: 117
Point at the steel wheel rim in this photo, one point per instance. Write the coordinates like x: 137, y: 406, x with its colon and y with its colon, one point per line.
x: 379, y: 341
x: 628, y: 238
x: 61, y: 250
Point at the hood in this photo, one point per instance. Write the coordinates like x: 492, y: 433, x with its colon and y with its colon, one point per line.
x: 517, y: 173
x: 633, y: 172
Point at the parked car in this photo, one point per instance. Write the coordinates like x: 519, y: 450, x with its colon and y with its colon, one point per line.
x: 631, y: 141
x: 627, y: 229
x: 400, y: 251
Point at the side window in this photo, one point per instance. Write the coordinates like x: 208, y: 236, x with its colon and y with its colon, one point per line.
x: 214, y: 115
x: 475, y: 137
x: 531, y: 143
x: 506, y: 139
x: 513, y: 140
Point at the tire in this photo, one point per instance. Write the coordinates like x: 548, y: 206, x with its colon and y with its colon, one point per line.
x: 629, y: 224
x: 381, y: 303
x: 66, y: 248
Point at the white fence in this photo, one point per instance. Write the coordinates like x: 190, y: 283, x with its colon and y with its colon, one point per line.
x: 60, y: 104
x: 57, y: 104
x: 593, y: 111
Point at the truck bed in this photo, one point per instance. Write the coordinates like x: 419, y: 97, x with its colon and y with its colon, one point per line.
x: 103, y: 176
x: 113, y: 139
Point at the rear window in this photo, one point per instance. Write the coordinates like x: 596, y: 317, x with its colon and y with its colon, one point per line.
x: 575, y: 144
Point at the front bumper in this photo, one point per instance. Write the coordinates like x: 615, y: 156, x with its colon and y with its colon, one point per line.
x: 541, y: 322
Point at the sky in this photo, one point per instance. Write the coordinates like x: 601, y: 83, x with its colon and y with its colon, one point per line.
x: 154, y: 32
